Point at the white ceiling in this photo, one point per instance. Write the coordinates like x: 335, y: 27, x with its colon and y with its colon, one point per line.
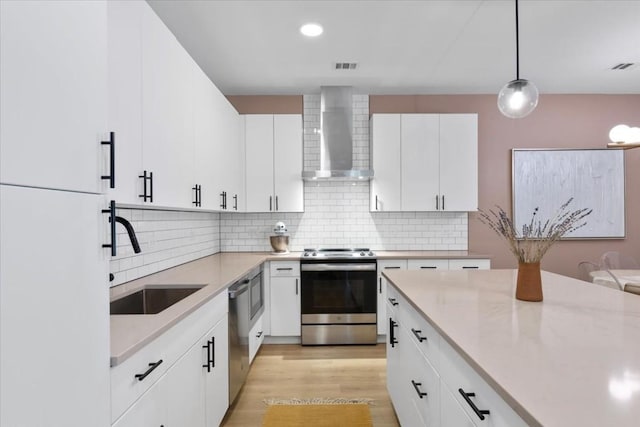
x: 410, y: 47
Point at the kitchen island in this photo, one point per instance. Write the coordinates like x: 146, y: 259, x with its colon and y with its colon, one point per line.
x: 572, y: 359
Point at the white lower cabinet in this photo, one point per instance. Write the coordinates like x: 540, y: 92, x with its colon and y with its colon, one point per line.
x: 426, y: 377
x: 384, y: 265
x: 256, y: 336
x: 180, y: 378
x: 285, y: 298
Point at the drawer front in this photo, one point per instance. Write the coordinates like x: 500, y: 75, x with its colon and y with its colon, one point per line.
x: 471, y: 264
x: 457, y: 375
x: 168, y: 347
x: 391, y: 264
x: 393, y: 301
x: 423, y: 335
x: 284, y: 268
x: 256, y: 336
x: 428, y: 264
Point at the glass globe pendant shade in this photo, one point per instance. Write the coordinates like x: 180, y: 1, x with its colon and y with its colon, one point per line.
x: 518, y: 98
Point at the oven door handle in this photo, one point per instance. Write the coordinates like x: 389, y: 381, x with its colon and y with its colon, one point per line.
x: 338, y: 267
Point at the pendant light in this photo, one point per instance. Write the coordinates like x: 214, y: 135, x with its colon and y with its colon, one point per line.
x: 519, y: 97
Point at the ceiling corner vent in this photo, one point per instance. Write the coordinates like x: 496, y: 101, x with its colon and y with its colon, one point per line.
x: 623, y: 66
x: 346, y: 65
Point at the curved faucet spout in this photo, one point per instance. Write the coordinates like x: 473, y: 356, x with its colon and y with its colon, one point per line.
x: 132, y: 234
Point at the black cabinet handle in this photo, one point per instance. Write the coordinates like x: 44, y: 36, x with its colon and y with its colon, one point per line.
x: 296, y: 286
x: 380, y: 289
x: 270, y: 203
x: 259, y: 334
x: 392, y: 268
x: 467, y: 267
x: 421, y: 394
x: 392, y: 335
x: 152, y: 366
x: 376, y: 202
x: 479, y: 412
x: 208, y: 347
x: 196, y: 201
x: 276, y: 203
x: 223, y: 201
x: 417, y: 333
x: 428, y: 267
x: 284, y: 268
x: 112, y: 160
x: 443, y: 202
x: 112, y: 220
x: 213, y: 352
x: 437, y: 202
x: 393, y: 301
x: 235, y: 202
x: 147, y: 178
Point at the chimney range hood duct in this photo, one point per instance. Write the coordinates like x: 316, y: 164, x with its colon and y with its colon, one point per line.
x: 336, y: 143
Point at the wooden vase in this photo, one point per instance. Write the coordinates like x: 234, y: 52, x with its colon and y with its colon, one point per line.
x: 529, y: 283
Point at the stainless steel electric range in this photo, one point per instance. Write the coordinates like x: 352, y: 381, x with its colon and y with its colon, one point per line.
x: 338, y: 295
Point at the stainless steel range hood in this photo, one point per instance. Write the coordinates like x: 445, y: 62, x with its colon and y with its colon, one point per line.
x: 336, y: 141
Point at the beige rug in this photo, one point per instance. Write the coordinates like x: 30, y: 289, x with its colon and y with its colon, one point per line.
x: 318, y: 412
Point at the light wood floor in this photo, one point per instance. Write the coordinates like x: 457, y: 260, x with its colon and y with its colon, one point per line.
x: 293, y: 371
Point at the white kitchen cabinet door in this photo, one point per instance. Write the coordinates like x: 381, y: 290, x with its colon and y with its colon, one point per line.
x: 287, y: 161
x: 54, y: 309
x: 385, y: 160
x: 420, y: 165
x: 256, y: 336
x: 216, y: 389
x: 207, y: 122
x: 259, y: 162
x: 53, y: 94
x: 185, y: 381
x: 167, y: 114
x: 386, y: 265
x: 125, y: 97
x: 459, y: 162
x: 150, y: 410
x: 285, y: 306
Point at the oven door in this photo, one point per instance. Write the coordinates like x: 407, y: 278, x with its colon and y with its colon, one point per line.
x: 338, y: 288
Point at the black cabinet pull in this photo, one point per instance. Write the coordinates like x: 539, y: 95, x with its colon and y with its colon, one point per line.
x: 195, y: 190
x: 208, y: 347
x: 296, y: 286
x: 443, y: 202
x: 479, y: 412
x: 284, y: 268
x: 152, y: 366
x: 468, y: 267
x: 112, y: 160
x: 270, y: 203
x: 223, y: 198
x: 235, y: 202
x: 112, y: 220
x: 276, y: 203
x: 392, y: 335
x: 427, y: 267
x: 380, y: 290
x: 437, y: 202
x: 392, y: 268
x: 421, y: 394
x: 147, y: 178
x: 376, y: 202
x: 393, y: 301
x: 259, y: 334
x: 417, y: 333
x: 213, y: 352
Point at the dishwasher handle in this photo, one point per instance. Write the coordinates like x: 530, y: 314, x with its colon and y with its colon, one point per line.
x: 235, y: 291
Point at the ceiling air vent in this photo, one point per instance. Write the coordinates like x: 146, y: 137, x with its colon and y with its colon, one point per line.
x: 623, y: 66
x: 346, y: 65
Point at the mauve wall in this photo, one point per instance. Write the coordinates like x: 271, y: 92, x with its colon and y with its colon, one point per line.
x: 560, y: 121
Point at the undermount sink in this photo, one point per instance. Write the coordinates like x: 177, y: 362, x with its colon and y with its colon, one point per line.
x: 152, y: 300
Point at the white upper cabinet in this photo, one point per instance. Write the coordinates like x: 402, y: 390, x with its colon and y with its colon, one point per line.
x: 125, y: 97
x: 420, y: 165
x: 53, y: 94
x: 385, y: 157
x: 424, y: 162
x: 459, y: 162
x: 167, y: 114
x: 273, y: 146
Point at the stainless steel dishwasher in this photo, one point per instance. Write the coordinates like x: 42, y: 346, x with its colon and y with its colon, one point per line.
x: 241, y: 315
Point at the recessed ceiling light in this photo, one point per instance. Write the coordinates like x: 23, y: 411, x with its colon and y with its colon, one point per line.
x: 311, y: 30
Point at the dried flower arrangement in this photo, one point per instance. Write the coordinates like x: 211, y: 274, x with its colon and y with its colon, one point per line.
x: 537, y: 236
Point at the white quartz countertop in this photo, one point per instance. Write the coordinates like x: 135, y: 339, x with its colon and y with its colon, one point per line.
x: 571, y: 360
x: 129, y: 333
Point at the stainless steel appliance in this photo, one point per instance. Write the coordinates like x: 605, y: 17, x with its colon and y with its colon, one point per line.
x: 339, y: 296
x: 246, y: 304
